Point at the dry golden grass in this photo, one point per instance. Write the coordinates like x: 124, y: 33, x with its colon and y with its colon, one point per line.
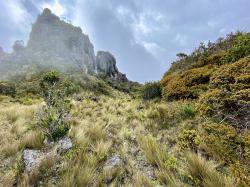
x: 10, y: 149
x: 141, y: 180
x: 95, y: 133
x: 80, y: 171
x: 15, y: 119
x: 153, y: 151
x: 33, y: 140
x: 47, y: 163
x: 102, y: 149
x: 205, y: 171
x: 106, y: 127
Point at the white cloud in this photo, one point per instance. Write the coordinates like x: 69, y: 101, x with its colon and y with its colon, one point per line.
x: 181, y: 39
x: 154, y: 49
x: 16, y: 13
x: 55, y: 6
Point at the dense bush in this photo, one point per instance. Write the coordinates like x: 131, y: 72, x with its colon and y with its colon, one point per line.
x: 240, y: 48
x: 229, y: 95
x: 187, y: 85
x: 221, y: 141
x: 53, y: 118
x: 7, y: 89
x: 224, y: 143
x: 189, y: 139
x: 151, y: 90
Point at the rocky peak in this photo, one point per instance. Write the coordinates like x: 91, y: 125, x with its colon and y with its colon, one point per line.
x: 18, y: 46
x: 106, y: 64
x: 60, y: 41
x: 54, y: 43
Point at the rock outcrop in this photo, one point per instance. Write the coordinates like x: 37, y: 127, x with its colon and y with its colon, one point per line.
x: 56, y: 44
x: 61, y: 42
x: 32, y: 159
x: 106, y: 64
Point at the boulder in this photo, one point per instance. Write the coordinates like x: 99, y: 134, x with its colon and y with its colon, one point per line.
x: 106, y: 65
x: 64, y: 145
x: 32, y: 159
x: 112, y: 162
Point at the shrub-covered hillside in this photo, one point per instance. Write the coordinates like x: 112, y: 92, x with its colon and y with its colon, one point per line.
x: 218, y: 74
x: 73, y: 129
x: 217, y: 78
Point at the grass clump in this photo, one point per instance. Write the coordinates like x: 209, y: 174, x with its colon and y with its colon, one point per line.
x: 141, y: 180
x: 204, y: 172
x: 154, y: 153
x: 187, y: 111
x: 33, y: 140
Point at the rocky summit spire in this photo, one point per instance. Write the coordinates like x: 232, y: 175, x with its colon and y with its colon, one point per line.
x: 54, y: 43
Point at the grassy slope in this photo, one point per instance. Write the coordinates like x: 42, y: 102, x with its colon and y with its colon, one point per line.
x: 143, y: 134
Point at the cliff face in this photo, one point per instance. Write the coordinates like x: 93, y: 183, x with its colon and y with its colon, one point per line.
x: 61, y: 42
x: 56, y: 44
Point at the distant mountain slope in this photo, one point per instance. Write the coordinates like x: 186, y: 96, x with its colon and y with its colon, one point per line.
x: 55, y: 44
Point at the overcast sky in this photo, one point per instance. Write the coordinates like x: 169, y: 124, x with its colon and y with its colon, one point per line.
x: 143, y: 35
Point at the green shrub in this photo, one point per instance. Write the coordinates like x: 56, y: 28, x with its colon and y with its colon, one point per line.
x: 189, y: 139
x: 187, y: 111
x: 221, y: 141
x: 229, y: 95
x: 7, y: 89
x: 97, y: 85
x: 241, y: 174
x: 240, y: 48
x: 188, y: 84
x: 151, y: 90
x: 53, y: 118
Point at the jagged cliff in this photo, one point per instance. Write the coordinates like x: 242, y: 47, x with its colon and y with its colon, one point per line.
x: 53, y: 43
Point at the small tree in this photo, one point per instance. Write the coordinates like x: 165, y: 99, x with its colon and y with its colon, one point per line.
x: 151, y: 90
x: 53, y: 120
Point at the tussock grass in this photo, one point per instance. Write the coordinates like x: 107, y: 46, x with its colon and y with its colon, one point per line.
x: 33, y: 140
x: 154, y: 153
x: 102, y: 149
x: 168, y: 178
x: 10, y: 149
x: 95, y: 133
x: 205, y: 171
x: 141, y: 180
x: 8, y: 179
x: 47, y: 163
x: 80, y: 170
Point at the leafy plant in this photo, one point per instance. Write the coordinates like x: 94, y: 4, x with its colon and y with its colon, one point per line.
x: 187, y: 111
x: 189, y: 139
x: 53, y: 120
x: 151, y: 90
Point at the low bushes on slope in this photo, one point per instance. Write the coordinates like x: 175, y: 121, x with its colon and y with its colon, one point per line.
x: 229, y: 95
x: 7, y: 88
x: 151, y: 90
x: 187, y: 85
